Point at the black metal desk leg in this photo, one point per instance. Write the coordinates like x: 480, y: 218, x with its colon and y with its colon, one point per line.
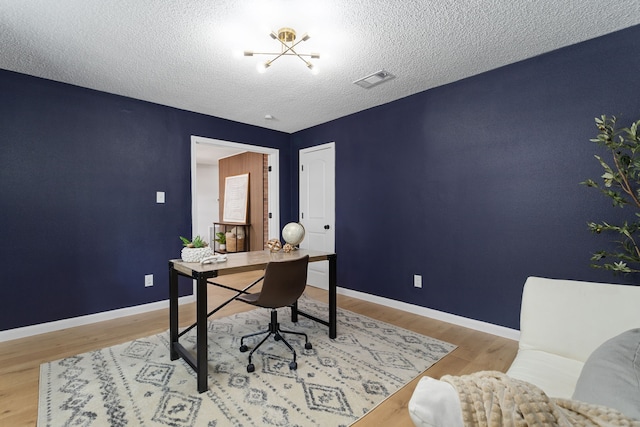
x: 201, y: 332
x: 332, y: 297
x: 173, y: 311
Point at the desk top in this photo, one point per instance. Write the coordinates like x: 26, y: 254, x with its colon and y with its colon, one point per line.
x: 245, y: 261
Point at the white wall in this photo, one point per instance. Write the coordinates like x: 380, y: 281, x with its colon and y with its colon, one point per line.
x: 207, y: 198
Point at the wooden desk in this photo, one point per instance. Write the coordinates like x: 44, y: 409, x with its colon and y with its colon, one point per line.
x: 236, y: 263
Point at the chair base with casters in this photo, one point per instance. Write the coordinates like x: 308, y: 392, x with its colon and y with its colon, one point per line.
x: 274, y: 329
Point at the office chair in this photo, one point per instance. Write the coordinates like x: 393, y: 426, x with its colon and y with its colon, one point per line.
x: 283, y: 283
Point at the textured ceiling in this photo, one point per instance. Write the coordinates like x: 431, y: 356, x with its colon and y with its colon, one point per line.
x: 185, y: 53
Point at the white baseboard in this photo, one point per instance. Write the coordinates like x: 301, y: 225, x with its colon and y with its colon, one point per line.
x: 42, y: 328
x: 477, y: 325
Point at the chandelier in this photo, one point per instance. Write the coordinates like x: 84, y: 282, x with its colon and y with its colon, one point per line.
x: 287, y: 39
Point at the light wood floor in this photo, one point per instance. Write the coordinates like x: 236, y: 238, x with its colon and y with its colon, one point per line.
x: 20, y: 359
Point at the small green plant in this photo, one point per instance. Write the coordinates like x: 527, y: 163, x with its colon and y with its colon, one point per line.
x: 197, y: 242
x: 621, y: 183
x: 221, y: 238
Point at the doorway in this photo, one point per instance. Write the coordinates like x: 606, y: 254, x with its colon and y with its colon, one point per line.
x: 207, y: 151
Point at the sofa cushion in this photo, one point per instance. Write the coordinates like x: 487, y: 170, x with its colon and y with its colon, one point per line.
x: 611, y: 375
x: 555, y: 375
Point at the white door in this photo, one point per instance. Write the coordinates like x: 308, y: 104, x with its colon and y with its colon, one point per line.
x: 317, y: 207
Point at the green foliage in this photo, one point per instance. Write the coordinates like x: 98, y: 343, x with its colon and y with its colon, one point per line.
x: 620, y: 183
x: 221, y: 238
x: 196, y: 243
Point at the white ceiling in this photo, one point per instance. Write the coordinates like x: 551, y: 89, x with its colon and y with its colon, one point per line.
x: 207, y: 154
x: 181, y: 52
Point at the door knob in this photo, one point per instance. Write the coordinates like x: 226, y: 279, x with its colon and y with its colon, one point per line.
x: 326, y: 227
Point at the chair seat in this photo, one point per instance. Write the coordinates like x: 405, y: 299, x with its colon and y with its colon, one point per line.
x: 249, y: 298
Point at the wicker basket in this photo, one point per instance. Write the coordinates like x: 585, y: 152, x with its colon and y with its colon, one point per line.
x: 234, y: 243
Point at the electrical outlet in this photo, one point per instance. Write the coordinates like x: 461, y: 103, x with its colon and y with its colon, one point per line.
x: 417, y: 281
x: 148, y: 280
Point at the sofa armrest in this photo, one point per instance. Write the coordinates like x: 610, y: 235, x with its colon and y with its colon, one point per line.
x: 435, y: 403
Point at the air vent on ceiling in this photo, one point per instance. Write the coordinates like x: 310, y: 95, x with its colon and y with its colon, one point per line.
x: 374, y: 79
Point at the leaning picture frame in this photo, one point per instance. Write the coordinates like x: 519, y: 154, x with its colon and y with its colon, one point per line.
x: 236, y: 198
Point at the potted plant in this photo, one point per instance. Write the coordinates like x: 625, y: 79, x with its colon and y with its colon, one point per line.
x: 621, y: 183
x: 194, y: 250
x: 222, y: 240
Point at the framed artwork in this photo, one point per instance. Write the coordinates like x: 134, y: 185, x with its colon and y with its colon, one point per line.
x: 236, y: 198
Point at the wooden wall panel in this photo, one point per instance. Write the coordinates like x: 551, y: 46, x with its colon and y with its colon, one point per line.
x: 253, y: 164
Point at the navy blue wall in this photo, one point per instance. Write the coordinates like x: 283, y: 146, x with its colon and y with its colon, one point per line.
x: 79, y: 170
x: 475, y: 185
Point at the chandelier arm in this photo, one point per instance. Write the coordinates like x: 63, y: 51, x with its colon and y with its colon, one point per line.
x: 300, y: 56
x: 284, y: 44
x: 290, y: 47
x: 266, y: 53
x: 282, y: 54
x: 307, y: 63
x: 277, y: 56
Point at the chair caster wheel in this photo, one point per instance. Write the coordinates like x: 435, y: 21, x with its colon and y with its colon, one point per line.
x: 293, y: 366
x: 277, y: 337
x: 308, y: 346
x: 243, y: 348
x: 250, y: 368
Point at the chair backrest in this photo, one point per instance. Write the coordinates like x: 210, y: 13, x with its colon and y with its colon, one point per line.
x: 284, y: 282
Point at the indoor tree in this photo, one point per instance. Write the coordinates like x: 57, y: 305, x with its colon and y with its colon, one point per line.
x: 621, y: 183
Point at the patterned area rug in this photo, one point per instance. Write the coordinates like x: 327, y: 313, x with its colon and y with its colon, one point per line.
x: 338, y: 381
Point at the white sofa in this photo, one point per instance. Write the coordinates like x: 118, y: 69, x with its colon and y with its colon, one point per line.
x: 562, y: 322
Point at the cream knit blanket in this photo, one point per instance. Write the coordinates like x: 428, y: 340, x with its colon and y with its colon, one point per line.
x: 493, y: 399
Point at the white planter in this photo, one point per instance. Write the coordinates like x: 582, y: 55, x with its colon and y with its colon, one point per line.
x: 195, y: 254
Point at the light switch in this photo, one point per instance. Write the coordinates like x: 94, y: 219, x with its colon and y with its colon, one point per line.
x: 159, y: 196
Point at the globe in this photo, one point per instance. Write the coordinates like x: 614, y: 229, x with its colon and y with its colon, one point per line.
x: 293, y: 233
